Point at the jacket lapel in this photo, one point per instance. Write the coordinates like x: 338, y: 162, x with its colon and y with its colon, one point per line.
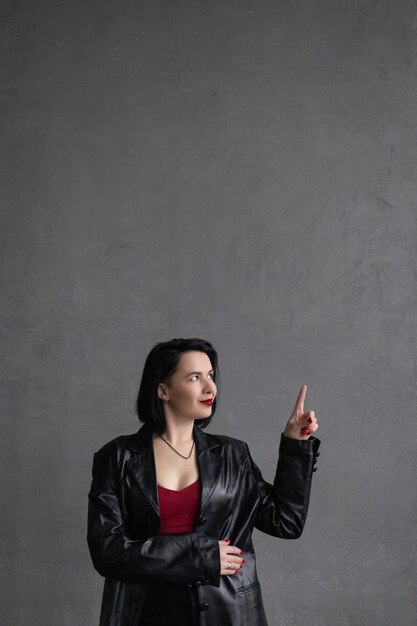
x: 210, y: 461
x: 142, y: 466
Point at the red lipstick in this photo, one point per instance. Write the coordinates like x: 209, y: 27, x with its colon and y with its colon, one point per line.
x: 208, y: 402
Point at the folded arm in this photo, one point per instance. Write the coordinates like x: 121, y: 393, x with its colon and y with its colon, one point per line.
x: 181, y: 559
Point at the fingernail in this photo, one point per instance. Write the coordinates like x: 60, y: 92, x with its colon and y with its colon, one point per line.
x: 310, y: 419
x: 241, y: 552
x: 227, y: 540
x: 236, y: 571
x: 243, y: 561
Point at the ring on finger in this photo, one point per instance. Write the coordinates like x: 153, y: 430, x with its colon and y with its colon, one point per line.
x: 230, y: 565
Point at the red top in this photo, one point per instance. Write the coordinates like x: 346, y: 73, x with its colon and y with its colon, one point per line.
x: 178, y: 509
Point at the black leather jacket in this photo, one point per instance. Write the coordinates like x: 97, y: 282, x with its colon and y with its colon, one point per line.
x: 123, y: 524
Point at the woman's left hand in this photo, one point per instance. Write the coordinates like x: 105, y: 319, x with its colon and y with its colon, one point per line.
x: 301, y: 424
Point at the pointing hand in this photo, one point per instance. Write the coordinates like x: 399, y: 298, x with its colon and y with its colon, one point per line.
x: 301, y: 424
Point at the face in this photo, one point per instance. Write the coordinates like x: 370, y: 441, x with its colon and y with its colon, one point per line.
x: 188, y: 387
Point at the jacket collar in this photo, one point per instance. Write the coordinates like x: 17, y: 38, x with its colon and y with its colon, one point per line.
x: 142, y: 465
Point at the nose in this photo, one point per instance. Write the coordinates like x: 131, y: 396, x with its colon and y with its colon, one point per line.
x: 210, y: 386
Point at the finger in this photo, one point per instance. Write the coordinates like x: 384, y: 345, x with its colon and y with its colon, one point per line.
x: 306, y: 423
x: 236, y: 555
x: 236, y: 560
x: 310, y: 428
x: 231, y: 567
x: 227, y: 543
x: 308, y: 418
x: 309, y: 422
x: 233, y: 550
x: 299, y: 405
x: 229, y: 572
x: 232, y: 563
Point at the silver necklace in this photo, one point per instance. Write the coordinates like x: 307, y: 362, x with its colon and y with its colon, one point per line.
x: 179, y: 453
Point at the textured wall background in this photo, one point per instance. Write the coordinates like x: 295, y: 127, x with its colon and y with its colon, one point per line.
x: 241, y: 171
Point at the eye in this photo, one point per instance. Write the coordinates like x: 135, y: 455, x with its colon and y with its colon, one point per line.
x: 194, y: 377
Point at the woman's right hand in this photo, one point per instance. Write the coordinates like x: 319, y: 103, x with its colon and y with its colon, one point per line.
x: 230, y: 559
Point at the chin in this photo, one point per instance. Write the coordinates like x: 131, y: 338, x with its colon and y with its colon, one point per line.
x: 202, y: 417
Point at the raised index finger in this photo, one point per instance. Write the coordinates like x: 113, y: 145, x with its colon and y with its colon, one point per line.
x: 299, y: 405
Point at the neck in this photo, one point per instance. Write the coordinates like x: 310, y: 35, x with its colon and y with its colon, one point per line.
x: 178, y: 433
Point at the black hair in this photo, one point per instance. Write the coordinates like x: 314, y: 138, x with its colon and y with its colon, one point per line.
x: 160, y: 365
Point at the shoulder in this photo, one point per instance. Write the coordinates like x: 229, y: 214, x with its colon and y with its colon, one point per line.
x: 115, y: 448
x: 227, y: 442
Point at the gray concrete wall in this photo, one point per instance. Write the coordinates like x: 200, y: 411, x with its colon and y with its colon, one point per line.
x: 241, y: 171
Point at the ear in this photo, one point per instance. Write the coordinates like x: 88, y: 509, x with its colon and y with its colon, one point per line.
x: 162, y: 392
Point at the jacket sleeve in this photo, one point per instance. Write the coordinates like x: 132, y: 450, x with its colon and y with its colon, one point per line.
x: 182, y: 559
x: 283, y: 506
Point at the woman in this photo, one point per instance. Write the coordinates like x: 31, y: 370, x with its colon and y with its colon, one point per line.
x: 172, y: 508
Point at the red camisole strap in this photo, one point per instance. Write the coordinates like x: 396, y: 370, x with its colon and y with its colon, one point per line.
x: 179, y: 509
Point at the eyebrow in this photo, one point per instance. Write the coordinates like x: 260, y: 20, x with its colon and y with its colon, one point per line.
x: 209, y: 372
